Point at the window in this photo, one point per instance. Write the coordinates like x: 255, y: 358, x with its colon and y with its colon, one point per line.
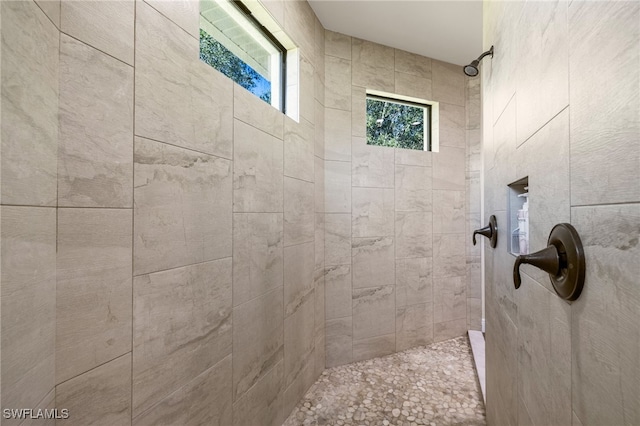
x: 236, y: 44
x: 401, y: 122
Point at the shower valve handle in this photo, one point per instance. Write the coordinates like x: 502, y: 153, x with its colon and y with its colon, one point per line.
x: 490, y: 231
x: 546, y: 259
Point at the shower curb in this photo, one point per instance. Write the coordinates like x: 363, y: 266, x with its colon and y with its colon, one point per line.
x: 476, y: 339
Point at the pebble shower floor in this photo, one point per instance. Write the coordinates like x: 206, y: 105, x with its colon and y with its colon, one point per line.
x: 432, y: 385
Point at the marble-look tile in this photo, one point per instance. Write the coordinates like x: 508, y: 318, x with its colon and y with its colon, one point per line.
x: 263, y: 403
x: 372, y: 166
x: 373, y: 262
x: 95, y: 152
x: 575, y: 421
x: 106, y: 25
x: 299, y: 23
x: 337, y: 291
x: 358, y: 111
x: 374, y: 347
x: 544, y: 354
x: 30, y: 56
x: 338, y: 82
x: 449, y: 299
x: 413, y: 188
x: 474, y: 277
x: 299, y: 149
x: 372, y: 212
x: 412, y: 85
x: 257, y: 170
x: 411, y: 63
x: 318, y: 130
x: 448, y: 83
x: 337, y: 130
x: 414, y: 281
x: 183, y: 207
x: 337, y: 181
x: 374, y: 311
x: 413, y: 234
x: 204, y: 400
x: 300, y: 385
x: 604, y: 320
x: 449, y: 168
x: 291, y: 96
x: 299, y: 263
x: 176, y: 98
x: 413, y: 157
x: 474, y: 313
x: 472, y: 222
x: 258, y: 340
x: 372, y: 65
x: 306, y: 95
x: 93, y: 290
x: 319, y: 234
x: 449, y: 329
x: 414, y: 326
x: 181, y: 327
x: 448, y: 212
x: 48, y: 402
x: 321, y: 354
x: 253, y: 111
x: 473, y: 105
x: 452, y: 125
x: 449, y: 256
x: 101, y: 396
x: 275, y: 9
x: 474, y: 149
x: 299, y: 340
x: 318, y: 185
x: 258, y: 257
x: 339, y: 341
x: 337, y: 44
x: 51, y: 8
x: 28, y: 286
x: 337, y: 242
x: 604, y: 172
x: 319, y: 305
x: 299, y: 215
x: 184, y: 13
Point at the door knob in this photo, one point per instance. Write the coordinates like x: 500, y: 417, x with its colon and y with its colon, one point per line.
x: 563, y: 259
x: 490, y: 231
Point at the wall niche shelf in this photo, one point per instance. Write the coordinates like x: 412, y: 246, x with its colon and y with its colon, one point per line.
x: 518, y: 217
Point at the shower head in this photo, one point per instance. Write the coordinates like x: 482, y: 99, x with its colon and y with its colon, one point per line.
x: 472, y: 69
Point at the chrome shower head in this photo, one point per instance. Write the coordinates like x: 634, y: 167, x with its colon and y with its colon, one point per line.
x: 472, y: 69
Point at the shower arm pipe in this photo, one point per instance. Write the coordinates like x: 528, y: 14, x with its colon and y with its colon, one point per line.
x: 487, y: 53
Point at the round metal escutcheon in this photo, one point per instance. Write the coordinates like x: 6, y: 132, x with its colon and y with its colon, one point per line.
x: 570, y: 280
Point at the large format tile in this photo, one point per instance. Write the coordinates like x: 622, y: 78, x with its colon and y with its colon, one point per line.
x: 52, y: 9
x: 411, y: 63
x: 337, y: 197
x: 299, y: 265
x: 337, y: 291
x: 319, y: 241
x: 338, y: 82
x: 372, y: 65
x: 414, y: 326
x: 449, y: 168
x: 184, y: 13
x: 255, y: 112
x: 93, y: 290
x: 204, y: 400
x: 358, y: 111
x: 372, y: 212
x: 106, y: 25
x: 257, y: 170
x: 372, y: 166
x: 30, y: 55
x: 412, y: 85
x: 605, y: 103
x: 299, y: 23
x: 183, y: 207
x: 337, y: 131
x: 299, y: 339
x: 448, y: 83
x: 605, y: 339
x: 337, y: 241
x: 181, y: 100
x: 374, y: 311
x: 337, y: 44
x: 449, y: 299
x: 181, y: 327
x: 299, y: 212
x: 449, y: 255
x: 301, y: 383
x: 299, y: 149
x: 373, y: 262
x: 413, y: 234
x: 306, y: 94
x: 448, y: 212
x: 28, y: 287
x: 374, y: 347
x: 452, y: 125
x: 258, y: 345
x: 96, y: 127
x: 413, y: 188
x: 263, y: 403
x: 101, y: 396
x: 339, y: 341
x: 414, y: 281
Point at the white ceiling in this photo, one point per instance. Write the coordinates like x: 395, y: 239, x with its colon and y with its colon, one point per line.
x: 448, y: 30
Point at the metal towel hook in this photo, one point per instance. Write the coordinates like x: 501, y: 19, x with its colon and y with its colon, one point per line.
x: 563, y: 259
x: 490, y: 231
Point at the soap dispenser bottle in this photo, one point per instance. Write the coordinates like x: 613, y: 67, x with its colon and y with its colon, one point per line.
x: 523, y: 224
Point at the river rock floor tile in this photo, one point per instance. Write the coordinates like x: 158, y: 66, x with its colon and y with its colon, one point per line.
x: 432, y: 385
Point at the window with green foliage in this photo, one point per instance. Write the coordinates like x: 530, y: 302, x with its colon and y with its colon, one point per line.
x: 398, y: 123
x: 234, y: 43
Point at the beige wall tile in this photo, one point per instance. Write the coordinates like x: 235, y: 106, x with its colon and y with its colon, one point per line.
x: 204, y: 400
x: 263, y: 403
x: 299, y: 215
x: 373, y: 311
x: 410, y: 63
x: 175, y: 93
x: 448, y: 212
x: 299, y: 265
x: 337, y: 197
x: 337, y: 243
x: 414, y: 281
x: 258, y: 257
x: 257, y: 113
x: 299, y: 23
x: 372, y: 65
x: 374, y: 347
x: 372, y: 166
x: 474, y: 313
x: 258, y: 346
x: 337, y: 44
x: 30, y: 55
x: 339, y: 341
x: 318, y: 129
x: 414, y: 326
x: 358, y: 111
x: 412, y: 157
x: 412, y: 85
x: 298, y: 149
x: 338, y: 83
x: 28, y: 287
x: 299, y: 340
x: 448, y: 255
x: 449, y: 299
x: 448, y: 82
x: 373, y: 262
x: 106, y: 25
x: 96, y: 127
x: 319, y: 241
x: 413, y: 188
x: 338, y: 291
x: 48, y: 402
x: 183, y: 207
x: 452, y: 125
x: 93, y: 289
x: 52, y: 9
x: 299, y: 387
x: 372, y: 212
x: 448, y: 169
x: 318, y: 185
x: 184, y: 13
x: 181, y: 327
x: 337, y: 143
x: 101, y: 396
x: 449, y: 329
x: 413, y: 234
x: 257, y: 170
x: 319, y: 304
x: 307, y: 89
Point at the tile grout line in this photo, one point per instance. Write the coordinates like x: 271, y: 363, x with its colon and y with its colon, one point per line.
x: 133, y: 204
